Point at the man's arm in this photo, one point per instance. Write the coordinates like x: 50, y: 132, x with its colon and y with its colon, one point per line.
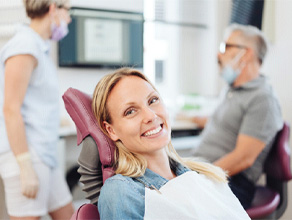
x: 243, y: 156
x: 200, y: 121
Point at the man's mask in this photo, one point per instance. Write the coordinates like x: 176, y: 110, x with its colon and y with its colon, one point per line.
x: 229, y: 73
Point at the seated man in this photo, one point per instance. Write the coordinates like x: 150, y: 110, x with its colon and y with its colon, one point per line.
x: 241, y: 131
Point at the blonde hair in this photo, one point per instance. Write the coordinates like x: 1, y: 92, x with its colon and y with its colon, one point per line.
x: 129, y: 163
x: 38, y: 8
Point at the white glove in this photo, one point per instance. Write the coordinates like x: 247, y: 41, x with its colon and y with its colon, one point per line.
x: 28, y: 178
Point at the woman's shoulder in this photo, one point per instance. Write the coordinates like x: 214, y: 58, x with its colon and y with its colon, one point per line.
x: 118, y: 195
x: 23, y: 36
x: 122, y: 185
x: 117, y: 179
x: 21, y: 43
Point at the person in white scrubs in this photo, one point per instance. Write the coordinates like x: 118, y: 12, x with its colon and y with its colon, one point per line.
x: 29, y: 116
x: 151, y: 180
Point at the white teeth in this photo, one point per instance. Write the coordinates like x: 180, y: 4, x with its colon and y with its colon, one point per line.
x: 152, y: 132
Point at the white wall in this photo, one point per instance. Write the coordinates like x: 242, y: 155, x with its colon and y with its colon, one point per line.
x: 278, y: 67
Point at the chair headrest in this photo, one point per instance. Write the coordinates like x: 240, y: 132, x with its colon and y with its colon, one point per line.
x: 277, y: 164
x: 78, y: 105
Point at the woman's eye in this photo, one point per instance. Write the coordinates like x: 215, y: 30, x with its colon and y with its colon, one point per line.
x: 153, y: 100
x: 129, y: 112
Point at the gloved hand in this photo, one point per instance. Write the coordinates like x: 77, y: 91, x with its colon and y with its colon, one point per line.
x: 28, y: 177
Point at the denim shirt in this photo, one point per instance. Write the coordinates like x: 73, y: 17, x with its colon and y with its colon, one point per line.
x: 123, y: 197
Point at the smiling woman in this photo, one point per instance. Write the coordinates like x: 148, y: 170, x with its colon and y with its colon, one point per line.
x: 151, y: 180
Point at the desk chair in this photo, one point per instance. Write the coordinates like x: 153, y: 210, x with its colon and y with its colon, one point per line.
x: 270, y: 201
x: 78, y: 105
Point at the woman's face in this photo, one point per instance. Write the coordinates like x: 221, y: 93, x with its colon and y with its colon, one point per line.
x: 60, y: 13
x: 63, y: 14
x: 139, y: 117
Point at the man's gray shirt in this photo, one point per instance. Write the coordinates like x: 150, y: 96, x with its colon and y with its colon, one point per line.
x: 251, y: 109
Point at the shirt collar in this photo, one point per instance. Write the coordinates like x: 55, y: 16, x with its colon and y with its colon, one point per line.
x: 252, y: 84
x: 151, y: 178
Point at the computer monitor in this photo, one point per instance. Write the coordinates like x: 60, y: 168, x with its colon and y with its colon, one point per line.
x: 102, y: 38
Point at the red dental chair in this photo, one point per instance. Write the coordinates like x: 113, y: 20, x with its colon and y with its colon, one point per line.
x: 78, y: 105
x: 270, y: 200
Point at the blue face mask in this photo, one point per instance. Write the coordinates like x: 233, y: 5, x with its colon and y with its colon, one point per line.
x: 228, y: 73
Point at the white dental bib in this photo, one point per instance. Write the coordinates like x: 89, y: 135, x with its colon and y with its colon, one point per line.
x: 193, y: 196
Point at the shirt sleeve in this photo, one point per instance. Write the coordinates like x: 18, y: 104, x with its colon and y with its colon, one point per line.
x: 120, y: 199
x: 263, y: 118
x: 20, y: 46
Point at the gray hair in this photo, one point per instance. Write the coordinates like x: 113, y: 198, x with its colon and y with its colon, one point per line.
x: 251, y: 35
x: 38, y: 8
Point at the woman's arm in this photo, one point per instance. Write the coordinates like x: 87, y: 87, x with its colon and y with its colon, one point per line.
x: 18, y: 70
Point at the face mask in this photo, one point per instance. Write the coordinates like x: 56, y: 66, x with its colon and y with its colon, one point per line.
x: 230, y: 74
x: 59, y: 32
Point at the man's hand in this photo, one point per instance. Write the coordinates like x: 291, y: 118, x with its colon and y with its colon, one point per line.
x: 28, y: 177
x: 200, y: 121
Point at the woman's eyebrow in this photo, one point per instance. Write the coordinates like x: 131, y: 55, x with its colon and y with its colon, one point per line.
x: 150, y: 94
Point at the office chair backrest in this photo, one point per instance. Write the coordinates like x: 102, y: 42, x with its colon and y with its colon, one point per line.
x: 277, y: 164
x: 270, y: 201
x: 78, y: 105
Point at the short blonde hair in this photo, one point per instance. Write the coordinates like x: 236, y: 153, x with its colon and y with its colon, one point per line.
x: 38, y: 8
x: 128, y: 163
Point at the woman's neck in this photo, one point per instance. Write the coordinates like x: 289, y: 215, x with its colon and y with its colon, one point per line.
x: 41, y: 26
x: 159, y: 163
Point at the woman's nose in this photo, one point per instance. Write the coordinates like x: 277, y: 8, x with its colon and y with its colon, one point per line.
x: 69, y: 19
x: 149, y: 115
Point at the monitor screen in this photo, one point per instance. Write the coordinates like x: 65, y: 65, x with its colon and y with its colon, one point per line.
x: 102, y: 38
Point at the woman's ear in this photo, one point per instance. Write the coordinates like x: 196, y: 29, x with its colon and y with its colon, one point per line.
x: 248, y: 55
x: 52, y: 11
x: 52, y: 8
x: 110, y: 130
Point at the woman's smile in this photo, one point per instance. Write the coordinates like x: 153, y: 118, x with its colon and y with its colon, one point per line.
x: 152, y: 132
